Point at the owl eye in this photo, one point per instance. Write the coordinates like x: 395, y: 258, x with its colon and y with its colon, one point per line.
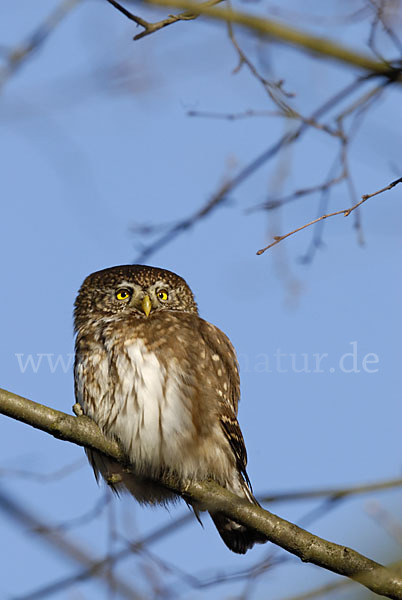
x: 123, y: 294
x: 163, y: 295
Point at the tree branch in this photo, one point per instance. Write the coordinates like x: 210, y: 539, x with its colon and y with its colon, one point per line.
x: 345, y: 212
x: 277, y: 31
x: 221, y: 195
x: 62, y: 544
x: 149, y: 28
x: 308, y: 547
x: 337, y: 493
x: 18, y: 55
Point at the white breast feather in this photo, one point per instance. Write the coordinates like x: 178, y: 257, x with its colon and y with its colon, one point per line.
x: 148, y: 412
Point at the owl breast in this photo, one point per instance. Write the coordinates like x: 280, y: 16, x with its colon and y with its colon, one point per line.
x: 151, y: 398
x: 140, y: 401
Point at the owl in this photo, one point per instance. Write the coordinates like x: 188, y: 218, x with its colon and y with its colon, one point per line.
x: 164, y: 383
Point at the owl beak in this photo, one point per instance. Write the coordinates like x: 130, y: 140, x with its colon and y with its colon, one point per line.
x: 146, y: 305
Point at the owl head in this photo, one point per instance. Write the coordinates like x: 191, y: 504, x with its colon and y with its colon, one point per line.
x: 131, y: 289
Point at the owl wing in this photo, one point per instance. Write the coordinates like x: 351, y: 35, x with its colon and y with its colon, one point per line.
x: 232, y: 431
x: 220, y: 345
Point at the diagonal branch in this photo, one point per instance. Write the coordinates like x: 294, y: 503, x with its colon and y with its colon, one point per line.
x: 331, y: 493
x: 308, y: 547
x: 277, y: 31
x: 66, y: 547
x: 345, y: 212
x: 18, y: 56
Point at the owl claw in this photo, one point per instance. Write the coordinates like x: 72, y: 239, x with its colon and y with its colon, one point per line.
x: 185, y: 486
x: 77, y: 410
x: 114, y: 478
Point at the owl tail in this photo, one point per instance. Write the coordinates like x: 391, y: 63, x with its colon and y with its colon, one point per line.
x: 237, y: 537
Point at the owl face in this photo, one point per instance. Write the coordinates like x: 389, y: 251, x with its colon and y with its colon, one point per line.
x: 131, y: 289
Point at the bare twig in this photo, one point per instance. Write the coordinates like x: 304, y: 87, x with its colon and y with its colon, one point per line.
x: 322, y: 590
x: 345, y: 212
x: 18, y: 56
x: 335, y: 493
x: 290, y: 14
x: 328, y: 588
x: 112, y: 559
x: 149, y: 28
x: 59, y: 542
x: 272, y: 558
x: 308, y: 547
x: 234, y: 116
x: 386, y: 520
x: 264, y: 113
x: 221, y: 195
x: 274, y: 89
x: 380, y: 17
x: 88, y: 516
x: 277, y: 202
x: 267, y: 27
x: 287, y: 35
x: 385, y: 189
x: 44, y: 477
x: 357, y: 109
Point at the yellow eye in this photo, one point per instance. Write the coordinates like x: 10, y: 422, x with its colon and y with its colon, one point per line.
x: 123, y: 294
x: 163, y: 295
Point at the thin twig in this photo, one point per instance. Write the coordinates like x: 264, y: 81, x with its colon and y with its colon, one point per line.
x: 316, y: 241
x: 345, y: 212
x: 277, y: 202
x: 18, y: 56
x: 322, y: 590
x: 149, y: 28
x: 222, y: 193
x: 18, y: 511
x: 110, y: 560
x: 357, y: 110
x: 264, y: 113
x: 335, y: 493
x: 44, y: 477
x: 274, y: 89
x: 386, y: 520
x: 86, y: 517
x: 333, y: 587
x: 234, y: 116
x: 385, y: 189
x: 266, y: 27
x: 287, y: 35
x: 380, y: 18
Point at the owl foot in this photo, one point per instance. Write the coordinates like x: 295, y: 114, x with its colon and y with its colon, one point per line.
x: 77, y: 410
x: 113, y: 478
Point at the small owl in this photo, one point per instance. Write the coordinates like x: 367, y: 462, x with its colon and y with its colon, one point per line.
x: 164, y: 383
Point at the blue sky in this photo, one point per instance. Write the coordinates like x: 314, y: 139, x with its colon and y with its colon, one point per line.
x: 95, y: 139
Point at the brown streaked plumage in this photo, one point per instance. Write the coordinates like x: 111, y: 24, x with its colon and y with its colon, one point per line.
x: 165, y: 384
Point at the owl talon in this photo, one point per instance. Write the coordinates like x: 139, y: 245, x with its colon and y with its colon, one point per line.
x: 185, y: 486
x: 77, y: 410
x: 114, y: 478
